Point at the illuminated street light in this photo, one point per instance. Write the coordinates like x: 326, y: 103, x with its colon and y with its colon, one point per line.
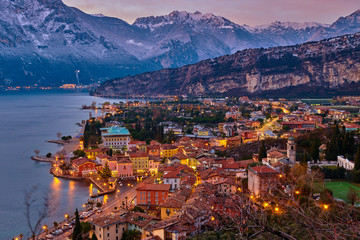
x: 326, y: 206
x: 297, y: 192
x: 266, y: 204
x: 212, y: 218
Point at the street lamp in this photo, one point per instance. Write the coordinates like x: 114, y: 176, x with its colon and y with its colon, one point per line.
x: 45, y: 227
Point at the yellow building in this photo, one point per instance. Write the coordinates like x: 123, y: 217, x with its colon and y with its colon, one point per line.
x: 168, y: 150
x: 140, y: 162
x: 171, y: 206
x: 92, y: 153
x: 220, y: 142
x: 204, y: 132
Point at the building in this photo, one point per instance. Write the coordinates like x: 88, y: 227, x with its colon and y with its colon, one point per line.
x: 260, y: 179
x: 140, y: 221
x: 152, y: 195
x: 171, y: 206
x: 115, y: 137
x: 300, y: 126
x: 291, y: 150
x: 124, y: 167
x: 172, y: 178
x: 153, y: 150
x: 83, y: 167
x: 109, y: 227
x: 92, y: 153
x: 168, y: 150
x: 141, y: 145
x: 345, y: 163
x: 226, y: 187
x: 140, y: 162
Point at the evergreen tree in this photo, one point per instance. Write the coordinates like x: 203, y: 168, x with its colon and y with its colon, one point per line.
x: 357, y: 159
x: 77, y: 229
x: 106, y: 172
x: 314, y: 149
x: 345, y: 147
x: 262, y: 151
x: 94, y: 237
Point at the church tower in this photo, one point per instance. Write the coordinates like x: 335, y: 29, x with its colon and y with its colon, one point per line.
x: 291, y: 150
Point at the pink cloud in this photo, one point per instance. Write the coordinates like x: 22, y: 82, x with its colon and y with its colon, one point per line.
x: 251, y: 12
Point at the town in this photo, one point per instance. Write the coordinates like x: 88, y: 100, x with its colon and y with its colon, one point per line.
x: 216, y: 168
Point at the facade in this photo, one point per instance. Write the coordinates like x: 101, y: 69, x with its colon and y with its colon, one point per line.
x: 92, y: 153
x: 345, y: 163
x: 115, y: 137
x: 226, y: 187
x: 172, y: 178
x: 291, y: 150
x: 83, y: 167
x: 109, y: 227
x: 153, y: 150
x: 152, y: 195
x: 168, y: 150
x: 124, y: 167
x: 140, y: 162
x: 260, y: 179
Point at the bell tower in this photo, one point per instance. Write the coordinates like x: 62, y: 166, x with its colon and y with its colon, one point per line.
x: 291, y: 150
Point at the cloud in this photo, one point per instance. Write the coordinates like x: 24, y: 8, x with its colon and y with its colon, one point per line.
x: 134, y: 43
x: 251, y: 12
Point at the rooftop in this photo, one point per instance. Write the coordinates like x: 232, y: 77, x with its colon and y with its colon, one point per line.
x: 115, y: 130
x: 154, y: 187
x: 262, y: 170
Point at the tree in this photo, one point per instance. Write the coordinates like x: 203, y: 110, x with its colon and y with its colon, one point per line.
x: 105, y: 173
x: 314, y: 149
x: 357, y: 159
x: 41, y: 213
x: 94, y: 237
x: 37, y: 151
x: 262, y: 151
x: 131, y: 235
x: 85, y: 227
x: 138, y: 209
x: 352, y: 196
x: 77, y: 229
x: 58, y: 135
x: 56, y: 224
x: 48, y: 155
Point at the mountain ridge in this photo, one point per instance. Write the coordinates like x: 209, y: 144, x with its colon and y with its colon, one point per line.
x: 326, y: 65
x: 45, y: 41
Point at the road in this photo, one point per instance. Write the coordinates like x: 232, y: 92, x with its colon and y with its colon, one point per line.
x: 120, y: 196
x: 268, y: 126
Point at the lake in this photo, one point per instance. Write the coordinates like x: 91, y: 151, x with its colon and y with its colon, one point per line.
x: 27, y: 120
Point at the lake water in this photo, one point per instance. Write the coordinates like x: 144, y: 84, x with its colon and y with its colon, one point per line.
x: 27, y: 120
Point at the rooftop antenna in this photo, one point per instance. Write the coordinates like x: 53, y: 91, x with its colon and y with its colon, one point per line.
x: 77, y: 76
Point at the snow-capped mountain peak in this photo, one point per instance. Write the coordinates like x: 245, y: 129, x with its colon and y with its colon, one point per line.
x: 207, y: 20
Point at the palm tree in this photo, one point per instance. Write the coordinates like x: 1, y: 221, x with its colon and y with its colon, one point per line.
x: 56, y: 224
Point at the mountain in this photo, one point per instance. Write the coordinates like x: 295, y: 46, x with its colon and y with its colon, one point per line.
x: 331, y: 65
x: 45, y: 41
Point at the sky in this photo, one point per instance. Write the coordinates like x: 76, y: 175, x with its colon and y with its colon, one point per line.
x: 250, y: 12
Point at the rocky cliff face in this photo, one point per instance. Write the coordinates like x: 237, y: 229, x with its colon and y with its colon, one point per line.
x: 331, y: 64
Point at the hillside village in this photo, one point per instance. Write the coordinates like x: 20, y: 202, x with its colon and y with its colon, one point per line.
x: 203, y: 157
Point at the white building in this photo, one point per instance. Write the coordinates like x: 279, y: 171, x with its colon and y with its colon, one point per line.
x: 172, y: 178
x: 345, y: 163
x: 115, y: 137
